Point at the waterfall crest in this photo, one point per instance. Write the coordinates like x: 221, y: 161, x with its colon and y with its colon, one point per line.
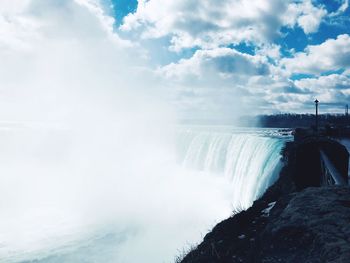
x: 77, y: 205
x: 250, y: 161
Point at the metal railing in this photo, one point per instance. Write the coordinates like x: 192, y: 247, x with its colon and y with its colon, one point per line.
x: 331, y: 175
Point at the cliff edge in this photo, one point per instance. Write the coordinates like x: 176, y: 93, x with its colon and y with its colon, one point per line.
x: 287, y: 224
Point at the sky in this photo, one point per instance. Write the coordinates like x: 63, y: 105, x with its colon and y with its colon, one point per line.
x: 280, y: 54
x: 208, y: 59
x: 92, y: 88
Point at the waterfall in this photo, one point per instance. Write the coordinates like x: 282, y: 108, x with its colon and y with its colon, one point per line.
x: 249, y: 160
x: 67, y: 200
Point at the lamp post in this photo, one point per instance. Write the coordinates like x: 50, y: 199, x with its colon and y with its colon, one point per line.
x: 316, y: 120
x: 346, y: 115
x: 346, y: 110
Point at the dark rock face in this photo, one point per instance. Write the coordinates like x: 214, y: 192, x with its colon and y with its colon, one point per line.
x: 285, y: 225
x: 310, y: 226
x: 313, y: 227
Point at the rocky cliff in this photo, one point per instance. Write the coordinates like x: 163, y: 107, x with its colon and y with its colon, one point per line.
x: 287, y: 224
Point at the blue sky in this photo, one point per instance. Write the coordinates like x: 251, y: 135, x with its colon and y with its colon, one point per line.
x: 304, y: 44
x: 122, y: 8
x: 209, y: 58
x: 291, y: 37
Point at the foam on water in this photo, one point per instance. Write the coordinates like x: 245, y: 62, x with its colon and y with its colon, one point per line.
x: 248, y: 158
x: 142, y: 209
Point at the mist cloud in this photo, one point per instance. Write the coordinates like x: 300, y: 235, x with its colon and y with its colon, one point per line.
x: 87, y: 142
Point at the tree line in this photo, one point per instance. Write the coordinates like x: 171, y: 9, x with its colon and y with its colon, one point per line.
x: 291, y: 120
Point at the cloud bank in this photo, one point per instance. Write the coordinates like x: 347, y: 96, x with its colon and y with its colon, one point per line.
x: 295, y: 39
x: 87, y: 144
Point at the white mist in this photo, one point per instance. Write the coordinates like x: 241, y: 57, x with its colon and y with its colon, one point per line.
x: 87, y: 146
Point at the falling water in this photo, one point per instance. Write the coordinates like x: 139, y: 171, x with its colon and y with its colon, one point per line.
x: 69, y: 203
x: 248, y: 159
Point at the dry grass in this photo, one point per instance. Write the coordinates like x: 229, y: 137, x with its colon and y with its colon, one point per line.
x: 184, y: 252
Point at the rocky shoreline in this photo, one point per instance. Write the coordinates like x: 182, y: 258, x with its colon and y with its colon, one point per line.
x: 287, y: 224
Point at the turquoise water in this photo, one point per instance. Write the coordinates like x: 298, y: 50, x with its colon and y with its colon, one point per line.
x: 249, y: 159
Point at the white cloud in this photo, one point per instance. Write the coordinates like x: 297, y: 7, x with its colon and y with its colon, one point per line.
x: 63, y: 67
x: 272, y: 51
x: 341, y: 9
x: 216, y: 82
x: 305, y: 15
x: 210, y: 26
x: 333, y: 89
x: 37, y: 20
x: 333, y: 54
x: 207, y: 23
x: 15, y: 28
x: 224, y: 61
x: 295, y: 96
x: 13, y: 6
x: 213, y: 78
x: 344, y: 6
x: 324, y: 83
